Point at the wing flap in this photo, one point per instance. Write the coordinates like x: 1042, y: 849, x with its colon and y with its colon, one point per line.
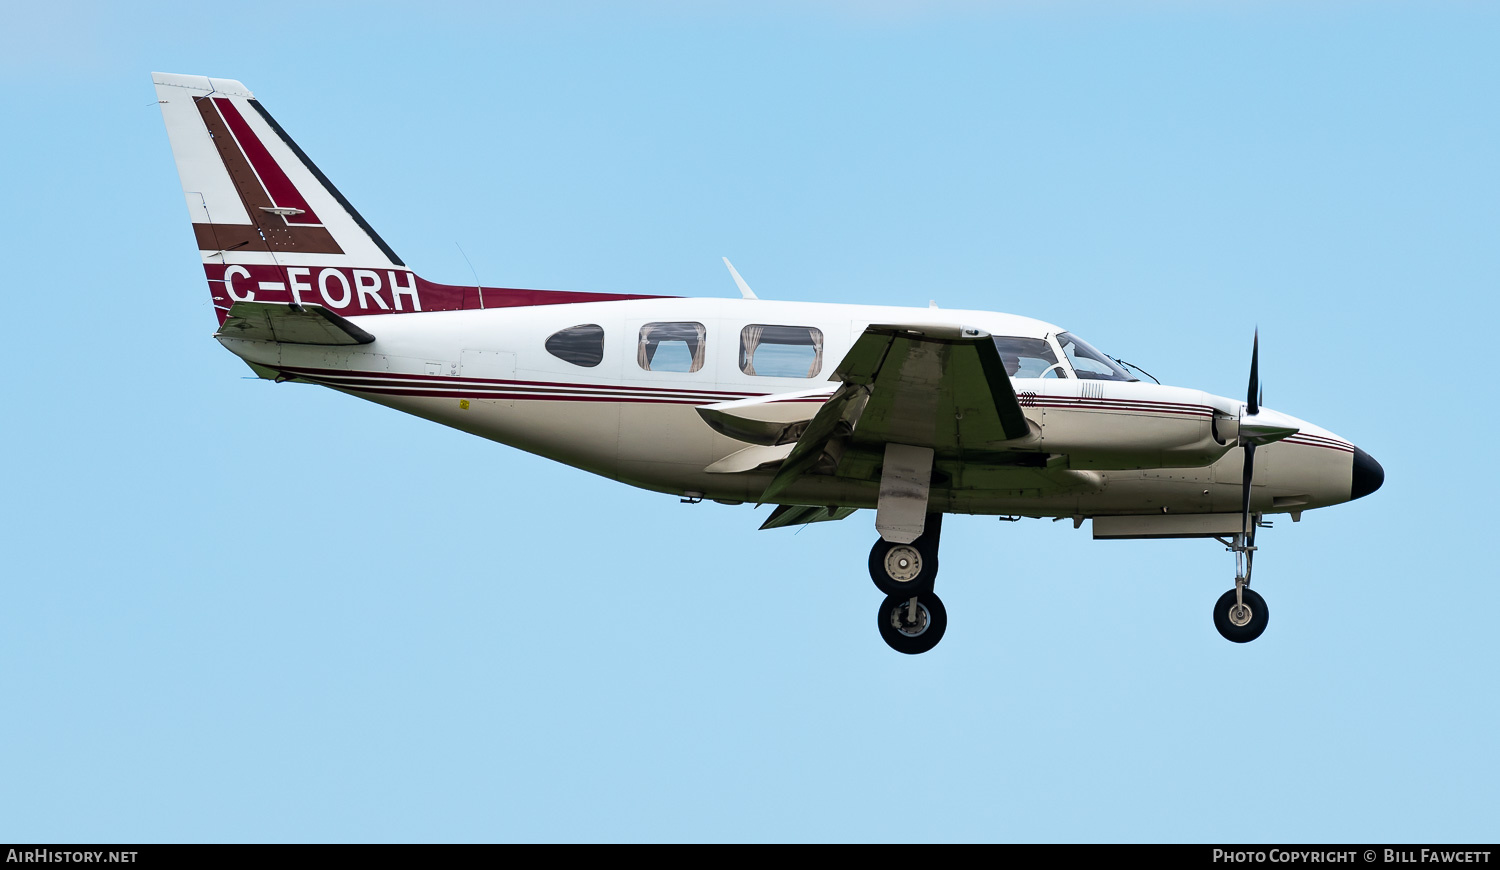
x: 841, y: 408
x: 801, y: 515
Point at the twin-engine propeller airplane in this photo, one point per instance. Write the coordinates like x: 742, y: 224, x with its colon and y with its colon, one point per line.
x: 819, y: 409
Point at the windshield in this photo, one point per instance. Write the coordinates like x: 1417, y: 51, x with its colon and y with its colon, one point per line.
x: 1028, y: 357
x: 1090, y: 364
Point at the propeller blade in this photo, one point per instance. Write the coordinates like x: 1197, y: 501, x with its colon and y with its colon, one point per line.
x: 1251, y: 399
x: 1257, y: 427
x: 1250, y: 556
x: 1245, y: 489
x: 1253, y: 431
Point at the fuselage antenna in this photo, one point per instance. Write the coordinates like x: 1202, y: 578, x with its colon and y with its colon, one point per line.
x: 745, y: 291
x: 477, y: 285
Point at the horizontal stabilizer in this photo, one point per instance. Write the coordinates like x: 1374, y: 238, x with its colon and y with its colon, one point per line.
x: 749, y: 459
x: 290, y: 323
x: 770, y: 420
x: 801, y: 515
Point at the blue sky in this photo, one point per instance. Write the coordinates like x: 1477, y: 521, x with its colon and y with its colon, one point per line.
x: 238, y: 611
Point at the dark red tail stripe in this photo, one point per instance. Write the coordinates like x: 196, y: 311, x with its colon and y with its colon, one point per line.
x: 283, y: 192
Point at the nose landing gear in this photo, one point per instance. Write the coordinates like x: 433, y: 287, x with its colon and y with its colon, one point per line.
x: 1241, y: 614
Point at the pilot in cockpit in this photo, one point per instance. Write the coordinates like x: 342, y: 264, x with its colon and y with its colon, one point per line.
x: 1012, y: 363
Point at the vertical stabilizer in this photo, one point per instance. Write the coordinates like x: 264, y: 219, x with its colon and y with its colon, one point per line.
x: 271, y: 228
x: 268, y: 224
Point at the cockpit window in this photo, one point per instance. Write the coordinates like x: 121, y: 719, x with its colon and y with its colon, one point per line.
x: 581, y: 345
x: 1090, y: 364
x: 1028, y: 357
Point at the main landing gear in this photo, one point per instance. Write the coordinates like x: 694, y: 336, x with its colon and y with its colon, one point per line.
x: 911, y: 618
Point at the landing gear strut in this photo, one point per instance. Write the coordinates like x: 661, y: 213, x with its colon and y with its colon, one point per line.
x: 1241, y: 614
x: 911, y: 618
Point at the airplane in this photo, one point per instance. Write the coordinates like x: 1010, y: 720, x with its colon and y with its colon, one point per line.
x: 818, y: 409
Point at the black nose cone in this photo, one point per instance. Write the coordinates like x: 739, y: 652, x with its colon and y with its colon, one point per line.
x: 1368, y: 475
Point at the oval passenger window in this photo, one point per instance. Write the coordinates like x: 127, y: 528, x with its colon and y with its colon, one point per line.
x: 581, y: 345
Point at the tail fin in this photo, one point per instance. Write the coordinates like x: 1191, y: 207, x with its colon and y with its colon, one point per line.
x: 269, y: 224
x: 272, y: 228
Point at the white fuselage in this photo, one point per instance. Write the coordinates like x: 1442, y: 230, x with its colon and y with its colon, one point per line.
x: 1131, y: 447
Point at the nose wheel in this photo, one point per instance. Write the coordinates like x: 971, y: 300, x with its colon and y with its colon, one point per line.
x: 1241, y: 615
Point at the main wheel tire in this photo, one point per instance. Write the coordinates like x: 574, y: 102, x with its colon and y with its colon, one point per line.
x: 903, y: 635
x: 903, y: 569
x: 1238, y: 626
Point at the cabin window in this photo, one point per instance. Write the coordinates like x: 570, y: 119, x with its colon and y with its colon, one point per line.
x: 1028, y: 357
x: 781, y: 351
x: 671, y: 347
x: 1090, y: 364
x: 581, y: 345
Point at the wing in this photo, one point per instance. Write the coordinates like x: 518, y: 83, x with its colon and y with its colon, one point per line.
x: 939, y: 387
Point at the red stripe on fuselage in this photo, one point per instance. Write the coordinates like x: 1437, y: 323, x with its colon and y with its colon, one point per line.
x: 493, y: 389
x: 1124, y: 406
x: 530, y: 397
x: 1325, y: 443
x: 402, y: 383
x: 715, y: 395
